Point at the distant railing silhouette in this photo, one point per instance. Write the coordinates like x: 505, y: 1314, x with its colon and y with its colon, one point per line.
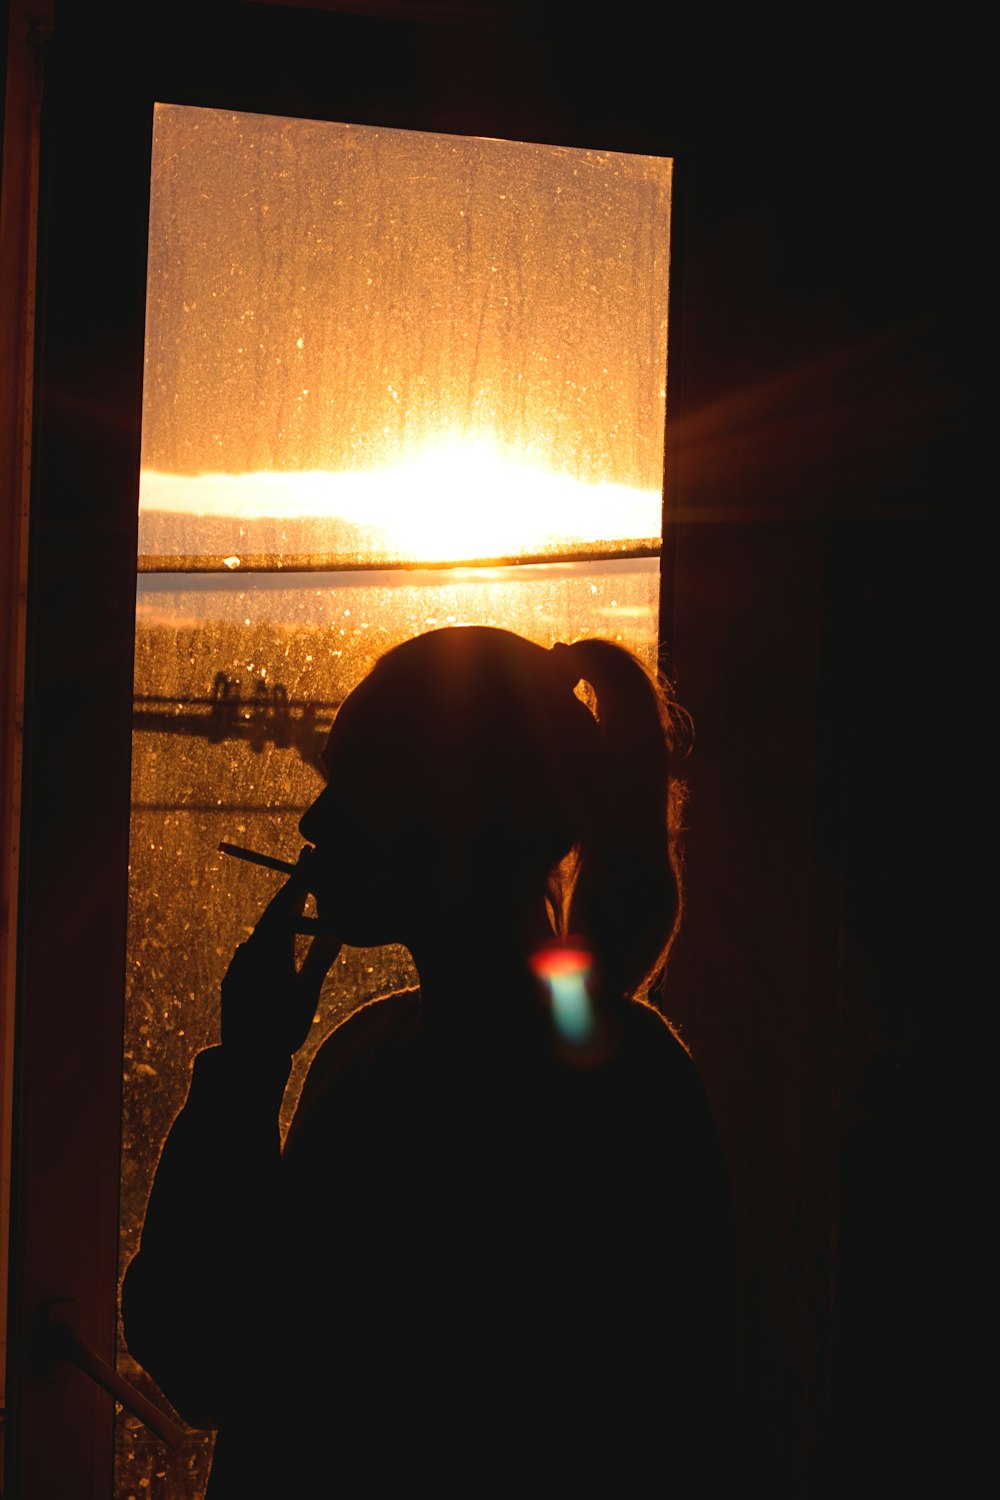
x: 266, y: 717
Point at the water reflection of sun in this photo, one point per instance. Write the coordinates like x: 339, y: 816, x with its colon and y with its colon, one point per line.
x: 455, y: 499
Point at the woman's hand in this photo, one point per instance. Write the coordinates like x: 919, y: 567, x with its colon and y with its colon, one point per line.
x: 268, y: 1004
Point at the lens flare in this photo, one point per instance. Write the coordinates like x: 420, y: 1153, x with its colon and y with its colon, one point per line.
x: 564, y: 969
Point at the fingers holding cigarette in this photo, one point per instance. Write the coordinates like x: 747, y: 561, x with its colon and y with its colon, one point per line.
x: 308, y: 926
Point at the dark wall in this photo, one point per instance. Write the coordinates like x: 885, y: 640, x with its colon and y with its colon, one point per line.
x: 823, y: 449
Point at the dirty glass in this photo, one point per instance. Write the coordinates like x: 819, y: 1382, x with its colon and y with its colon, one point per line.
x: 394, y: 381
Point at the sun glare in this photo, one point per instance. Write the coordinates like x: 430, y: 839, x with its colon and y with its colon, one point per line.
x: 456, y: 499
x: 469, y: 499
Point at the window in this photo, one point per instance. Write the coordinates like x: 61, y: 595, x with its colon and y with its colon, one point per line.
x: 393, y: 380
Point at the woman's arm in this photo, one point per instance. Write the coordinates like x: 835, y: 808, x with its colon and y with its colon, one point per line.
x: 192, y: 1292
x: 198, y: 1298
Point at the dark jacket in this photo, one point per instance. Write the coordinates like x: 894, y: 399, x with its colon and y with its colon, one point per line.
x: 465, y: 1272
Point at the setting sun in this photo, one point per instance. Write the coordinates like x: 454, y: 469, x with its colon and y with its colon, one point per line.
x: 455, y: 500
x: 460, y: 499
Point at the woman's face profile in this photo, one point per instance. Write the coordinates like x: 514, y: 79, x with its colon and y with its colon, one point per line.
x: 357, y: 824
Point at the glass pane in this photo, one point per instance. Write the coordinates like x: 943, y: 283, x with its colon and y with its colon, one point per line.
x: 410, y: 345
x: 364, y: 348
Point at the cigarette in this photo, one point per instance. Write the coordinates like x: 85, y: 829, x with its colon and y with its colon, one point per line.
x: 306, y: 926
x: 253, y: 858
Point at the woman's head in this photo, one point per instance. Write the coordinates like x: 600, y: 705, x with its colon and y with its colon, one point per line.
x: 464, y: 772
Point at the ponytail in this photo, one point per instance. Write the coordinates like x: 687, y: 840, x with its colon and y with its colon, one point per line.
x: 620, y: 887
x: 511, y: 775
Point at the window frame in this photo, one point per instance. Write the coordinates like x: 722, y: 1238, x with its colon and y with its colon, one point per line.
x: 79, y: 653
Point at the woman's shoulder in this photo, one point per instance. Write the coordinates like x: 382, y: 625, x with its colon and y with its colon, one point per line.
x: 353, y: 1047
x: 646, y: 1032
x: 654, y: 1051
x: 371, y: 1026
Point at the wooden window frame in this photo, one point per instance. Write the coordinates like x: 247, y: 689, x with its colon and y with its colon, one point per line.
x: 393, y: 67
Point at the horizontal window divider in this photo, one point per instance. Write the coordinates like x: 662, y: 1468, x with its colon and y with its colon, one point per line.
x: 650, y: 547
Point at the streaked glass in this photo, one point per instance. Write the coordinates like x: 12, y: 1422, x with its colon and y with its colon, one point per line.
x: 364, y: 348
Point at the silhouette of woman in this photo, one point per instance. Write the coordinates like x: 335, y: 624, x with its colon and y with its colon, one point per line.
x: 496, y: 1250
